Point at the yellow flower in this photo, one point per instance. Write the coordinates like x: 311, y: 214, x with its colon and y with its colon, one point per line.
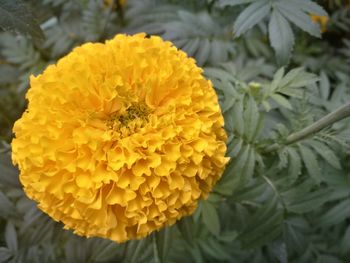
x: 321, y: 20
x: 120, y: 139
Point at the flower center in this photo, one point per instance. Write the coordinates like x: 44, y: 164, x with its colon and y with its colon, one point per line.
x: 136, y: 115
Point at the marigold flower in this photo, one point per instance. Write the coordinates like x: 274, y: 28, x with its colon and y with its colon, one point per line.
x: 120, y: 139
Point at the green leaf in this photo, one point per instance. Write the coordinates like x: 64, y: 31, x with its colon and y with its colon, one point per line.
x: 204, y: 52
x: 11, y: 236
x: 298, y: 17
x: 5, y: 254
x: 310, y: 7
x: 251, y: 16
x: 325, y: 87
x: 281, y: 37
x: 15, y: 16
x: 299, y: 201
x: 9, y: 173
x: 210, y: 217
x: 296, y: 78
x: 344, y: 245
x: 213, y: 248
x: 263, y: 227
x: 240, y: 162
x: 251, y: 118
x: 186, y: 226
x: 294, y: 234
x: 249, y: 167
x: 311, y: 164
x: 294, y: 165
x: 163, y: 241
x: 196, y: 253
x: 199, y: 35
x: 326, y: 153
x: 156, y: 256
x: 236, y: 147
x: 336, y: 214
x: 137, y: 249
x: 107, y: 252
x: 6, y: 206
x: 277, y: 77
x: 238, y: 121
x: 281, y: 101
x: 228, y: 182
x: 250, y: 193
x: 234, y: 2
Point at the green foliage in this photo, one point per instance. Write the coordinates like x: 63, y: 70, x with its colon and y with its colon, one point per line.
x: 281, y: 14
x: 15, y: 16
x: 286, y: 205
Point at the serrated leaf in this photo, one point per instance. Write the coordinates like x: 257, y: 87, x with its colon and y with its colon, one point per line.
x: 236, y: 147
x: 214, y: 249
x: 264, y: 226
x: 251, y: 16
x: 293, y: 234
x: 199, y: 35
x: 326, y: 153
x: 249, y: 193
x: 241, y: 161
x: 294, y: 166
x: 191, y: 46
x: 294, y: 14
x: 336, y: 214
x: 277, y: 77
x: 296, y: 78
x: 281, y: 100
x: 228, y: 183
x: 311, y: 164
x: 203, y: 53
x: 210, y: 217
x: 281, y: 37
x: 310, y: 7
x: 15, y: 16
x: 304, y: 202
x: 249, y: 167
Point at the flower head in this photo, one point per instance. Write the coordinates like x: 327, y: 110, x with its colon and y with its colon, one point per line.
x: 120, y: 139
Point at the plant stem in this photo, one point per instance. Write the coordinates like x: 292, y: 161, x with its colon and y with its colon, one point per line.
x: 329, y: 119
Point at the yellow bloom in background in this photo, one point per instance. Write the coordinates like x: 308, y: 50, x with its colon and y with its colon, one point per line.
x: 122, y: 3
x: 120, y: 139
x: 321, y: 20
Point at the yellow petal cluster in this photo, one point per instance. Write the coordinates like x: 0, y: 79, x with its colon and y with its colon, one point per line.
x: 120, y: 139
